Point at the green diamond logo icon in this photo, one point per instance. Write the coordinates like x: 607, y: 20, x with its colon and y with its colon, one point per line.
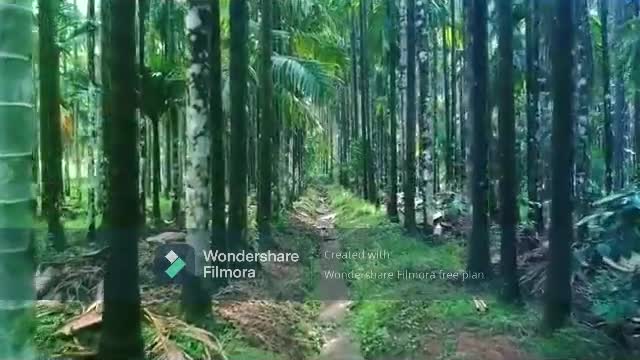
x: 176, y: 266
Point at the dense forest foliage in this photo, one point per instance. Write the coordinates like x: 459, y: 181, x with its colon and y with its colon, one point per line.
x: 500, y: 134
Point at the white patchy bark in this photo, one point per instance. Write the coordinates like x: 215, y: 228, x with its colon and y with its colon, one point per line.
x: 425, y: 172
x: 196, y: 176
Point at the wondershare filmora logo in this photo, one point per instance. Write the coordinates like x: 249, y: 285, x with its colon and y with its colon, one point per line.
x: 172, y: 262
x: 176, y: 266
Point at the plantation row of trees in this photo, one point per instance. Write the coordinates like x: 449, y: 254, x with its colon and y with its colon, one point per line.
x: 226, y: 97
x: 186, y: 113
x: 519, y: 103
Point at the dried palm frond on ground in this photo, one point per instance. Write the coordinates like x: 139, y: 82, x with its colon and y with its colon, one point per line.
x: 276, y: 326
x: 71, y: 277
x: 244, y: 321
x: 166, y: 328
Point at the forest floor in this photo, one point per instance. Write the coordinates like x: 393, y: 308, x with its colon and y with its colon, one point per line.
x: 293, y: 312
x: 339, y: 343
x: 438, y: 319
x: 271, y: 317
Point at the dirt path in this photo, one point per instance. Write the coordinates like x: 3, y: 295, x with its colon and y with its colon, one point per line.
x: 334, y: 293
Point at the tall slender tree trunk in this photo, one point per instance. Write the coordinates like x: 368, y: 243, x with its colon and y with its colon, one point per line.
x: 155, y: 172
x: 168, y: 140
x: 453, y: 103
x: 93, y: 126
x: 341, y: 122
x: 392, y: 56
x: 370, y: 189
x: 558, y: 285
x: 636, y: 117
x: 142, y: 14
x: 463, y: 103
x: 64, y: 189
x: 288, y: 165
x: 37, y: 152
x: 51, y: 142
x: 17, y: 143
x: 277, y: 160
x: 583, y: 73
x: 479, y: 260
x: 121, y: 329
x: 77, y: 151
x: 218, y: 129
x: 533, y: 115
x: 106, y: 104
x: 425, y: 125
x: 67, y: 174
x: 507, y: 147
x: 434, y: 108
x: 410, y: 152
x: 176, y: 193
x: 148, y: 156
x: 402, y: 88
x: 195, y: 297
x: 355, y: 87
x: 174, y: 120
x: 252, y: 129
x: 143, y: 169
x: 620, y: 101
x: 363, y: 78
x: 606, y: 81
x: 239, y: 28
x: 448, y: 122
x: 265, y: 137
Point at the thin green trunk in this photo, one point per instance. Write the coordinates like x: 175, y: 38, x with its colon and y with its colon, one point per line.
x: 17, y: 129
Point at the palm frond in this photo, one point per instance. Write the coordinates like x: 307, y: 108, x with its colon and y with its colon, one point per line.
x: 324, y: 46
x: 303, y: 77
x: 298, y: 113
